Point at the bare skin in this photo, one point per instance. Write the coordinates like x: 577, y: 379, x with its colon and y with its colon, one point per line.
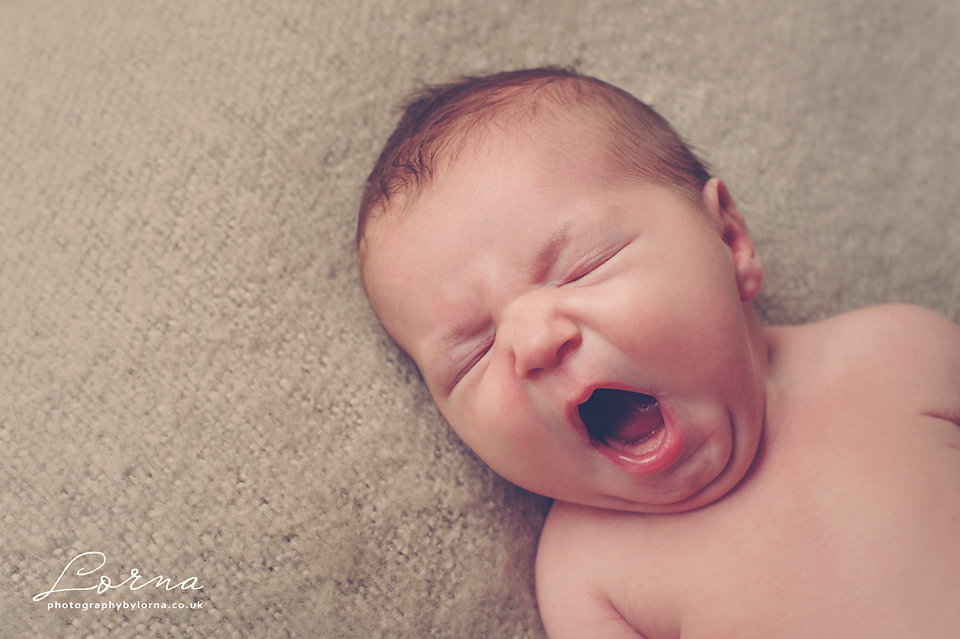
x: 847, y: 525
x: 792, y: 481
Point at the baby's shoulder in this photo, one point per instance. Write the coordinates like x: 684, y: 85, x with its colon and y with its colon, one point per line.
x: 909, y: 337
x: 894, y: 326
x: 562, y: 553
x: 907, y: 351
x: 576, y: 566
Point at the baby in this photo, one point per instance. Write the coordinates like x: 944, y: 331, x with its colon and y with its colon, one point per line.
x: 576, y: 290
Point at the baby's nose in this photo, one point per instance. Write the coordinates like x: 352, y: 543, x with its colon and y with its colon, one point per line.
x: 540, y: 338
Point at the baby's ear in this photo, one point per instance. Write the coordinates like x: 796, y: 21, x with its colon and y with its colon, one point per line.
x: 746, y: 260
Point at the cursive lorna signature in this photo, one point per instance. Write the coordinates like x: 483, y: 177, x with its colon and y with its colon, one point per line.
x: 105, y: 583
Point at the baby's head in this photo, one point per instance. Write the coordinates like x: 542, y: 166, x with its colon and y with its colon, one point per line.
x: 573, y: 286
x: 442, y: 121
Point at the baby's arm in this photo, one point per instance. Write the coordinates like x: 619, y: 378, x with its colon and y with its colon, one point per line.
x: 571, y: 581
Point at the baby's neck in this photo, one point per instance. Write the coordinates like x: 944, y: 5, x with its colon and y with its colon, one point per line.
x: 775, y: 349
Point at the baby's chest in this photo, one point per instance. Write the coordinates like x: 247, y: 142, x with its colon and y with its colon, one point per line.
x: 849, y: 544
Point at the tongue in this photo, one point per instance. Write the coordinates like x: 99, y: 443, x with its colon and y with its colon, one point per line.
x: 617, y: 416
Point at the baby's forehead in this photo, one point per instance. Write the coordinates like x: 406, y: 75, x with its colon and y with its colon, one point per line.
x: 560, y: 142
x: 555, y: 145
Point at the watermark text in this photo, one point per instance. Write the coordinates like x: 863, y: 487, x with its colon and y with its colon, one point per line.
x: 105, y: 584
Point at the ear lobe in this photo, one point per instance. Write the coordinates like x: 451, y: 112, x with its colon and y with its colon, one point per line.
x: 746, y: 260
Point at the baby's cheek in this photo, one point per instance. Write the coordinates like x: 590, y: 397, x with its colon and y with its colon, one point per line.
x: 504, y: 418
x: 468, y: 411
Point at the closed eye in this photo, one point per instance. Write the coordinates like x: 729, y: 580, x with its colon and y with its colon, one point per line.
x: 474, y: 360
x: 594, y: 262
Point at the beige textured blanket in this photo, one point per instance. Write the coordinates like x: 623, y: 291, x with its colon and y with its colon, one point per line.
x: 191, y: 383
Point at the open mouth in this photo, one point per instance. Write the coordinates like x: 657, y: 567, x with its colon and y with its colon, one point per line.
x: 630, y: 423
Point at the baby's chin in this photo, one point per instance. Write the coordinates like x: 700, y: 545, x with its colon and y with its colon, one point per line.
x: 708, y: 478
x: 683, y: 504
x: 677, y: 502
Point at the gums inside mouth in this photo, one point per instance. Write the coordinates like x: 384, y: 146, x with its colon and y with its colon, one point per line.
x: 621, y: 419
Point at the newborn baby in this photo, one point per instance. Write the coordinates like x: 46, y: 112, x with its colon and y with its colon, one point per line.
x: 576, y: 290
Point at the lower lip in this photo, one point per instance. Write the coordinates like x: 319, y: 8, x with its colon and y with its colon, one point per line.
x: 654, y: 461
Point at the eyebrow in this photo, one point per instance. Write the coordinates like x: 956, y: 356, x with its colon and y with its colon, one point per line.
x: 548, y: 252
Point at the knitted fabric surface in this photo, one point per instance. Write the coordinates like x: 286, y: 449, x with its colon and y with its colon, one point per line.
x: 192, y: 385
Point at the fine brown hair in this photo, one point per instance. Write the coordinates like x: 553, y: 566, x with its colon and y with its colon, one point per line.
x: 437, y: 120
